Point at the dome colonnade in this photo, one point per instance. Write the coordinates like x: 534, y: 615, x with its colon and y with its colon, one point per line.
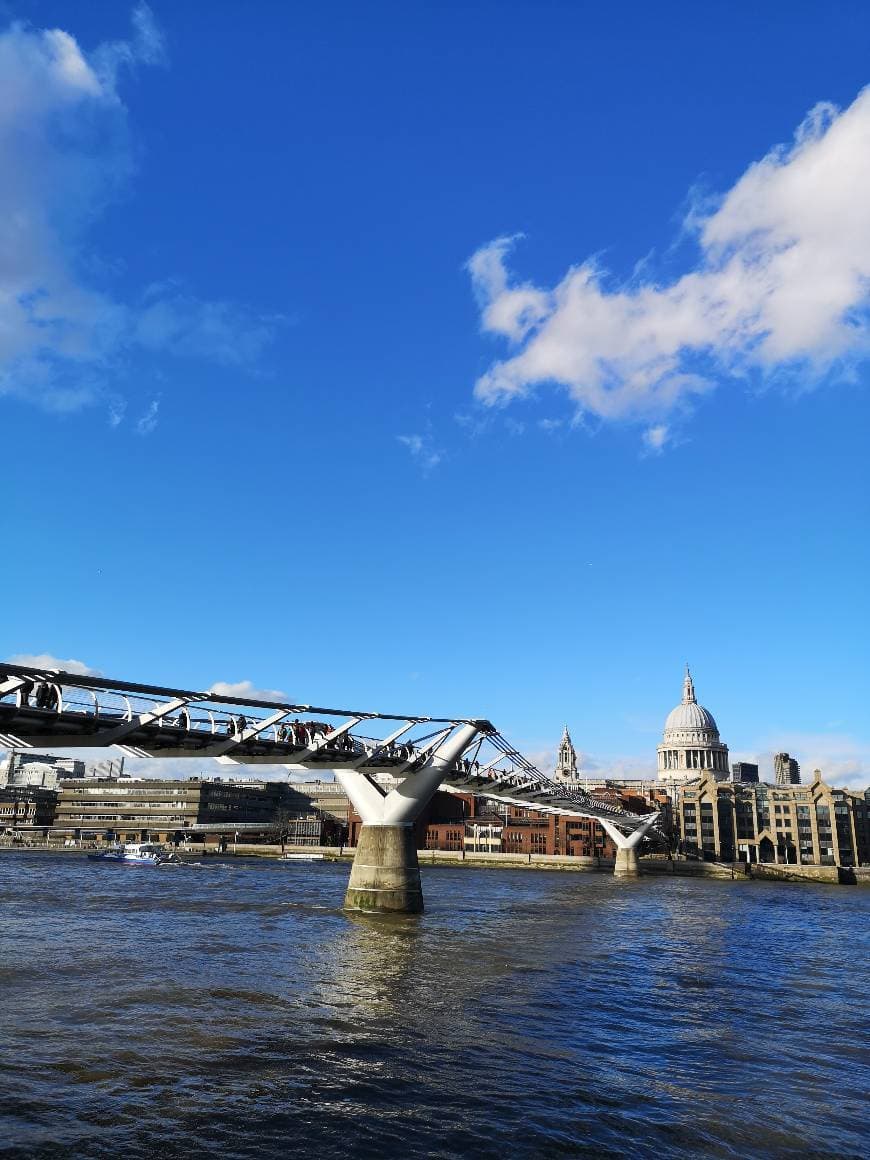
x: 691, y: 742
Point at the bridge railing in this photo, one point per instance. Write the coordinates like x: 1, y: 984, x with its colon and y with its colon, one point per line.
x: 255, y: 729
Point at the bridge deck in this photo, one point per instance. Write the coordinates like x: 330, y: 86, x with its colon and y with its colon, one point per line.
x: 45, y: 709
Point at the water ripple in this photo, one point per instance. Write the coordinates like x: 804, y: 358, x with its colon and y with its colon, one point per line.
x: 239, y: 1012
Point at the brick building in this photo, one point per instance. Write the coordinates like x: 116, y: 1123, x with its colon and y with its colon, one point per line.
x: 466, y: 822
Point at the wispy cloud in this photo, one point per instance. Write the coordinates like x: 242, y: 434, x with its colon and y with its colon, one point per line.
x: 169, y: 319
x: 656, y: 437
x: 550, y: 426
x: 619, y: 766
x: 423, y: 450
x: 65, y: 153
x: 779, y: 287
x: 146, y: 424
x: 843, y: 759
x: 247, y: 689
x: 48, y: 661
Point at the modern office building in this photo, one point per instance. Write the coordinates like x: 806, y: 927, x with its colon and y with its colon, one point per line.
x: 142, y: 809
x: 26, y: 811
x: 786, y: 770
x: 744, y: 773
x: 324, y: 797
x: 38, y: 769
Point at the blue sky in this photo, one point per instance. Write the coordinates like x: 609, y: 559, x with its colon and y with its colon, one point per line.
x: 464, y: 359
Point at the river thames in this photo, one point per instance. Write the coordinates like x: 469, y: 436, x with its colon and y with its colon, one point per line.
x: 236, y: 1011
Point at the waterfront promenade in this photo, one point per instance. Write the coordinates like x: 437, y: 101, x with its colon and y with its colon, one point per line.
x: 235, y: 1010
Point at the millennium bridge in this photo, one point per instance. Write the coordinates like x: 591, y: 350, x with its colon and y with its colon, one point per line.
x: 51, y: 709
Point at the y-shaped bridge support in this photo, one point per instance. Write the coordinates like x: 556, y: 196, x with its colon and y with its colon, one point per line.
x: 386, y: 873
x: 626, y: 846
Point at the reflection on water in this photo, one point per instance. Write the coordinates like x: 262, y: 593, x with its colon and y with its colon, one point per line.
x: 237, y: 1011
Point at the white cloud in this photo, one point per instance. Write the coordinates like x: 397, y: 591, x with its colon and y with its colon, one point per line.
x: 148, y: 421
x: 47, y: 661
x: 548, y: 426
x: 247, y: 689
x: 780, y: 284
x: 422, y: 450
x: 181, y: 768
x: 656, y: 437
x: 843, y: 759
x: 117, y: 409
x: 64, y: 155
x: 186, y: 326
x: 596, y: 768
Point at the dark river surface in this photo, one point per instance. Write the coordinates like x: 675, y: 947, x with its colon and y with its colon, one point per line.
x: 236, y: 1011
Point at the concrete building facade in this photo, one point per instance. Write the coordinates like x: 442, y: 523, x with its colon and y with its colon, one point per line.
x: 156, y: 809
x: 26, y: 811
x: 38, y: 769
x: 812, y: 824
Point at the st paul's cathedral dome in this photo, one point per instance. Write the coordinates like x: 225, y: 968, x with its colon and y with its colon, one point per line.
x: 691, y: 740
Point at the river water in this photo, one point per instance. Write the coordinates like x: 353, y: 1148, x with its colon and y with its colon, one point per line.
x: 236, y: 1011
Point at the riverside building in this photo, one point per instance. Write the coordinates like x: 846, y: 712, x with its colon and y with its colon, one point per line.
x: 26, y: 811
x: 475, y: 824
x: 812, y: 824
x: 157, y: 809
x: 744, y: 819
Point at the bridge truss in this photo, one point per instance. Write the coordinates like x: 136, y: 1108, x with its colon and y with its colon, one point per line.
x: 50, y: 709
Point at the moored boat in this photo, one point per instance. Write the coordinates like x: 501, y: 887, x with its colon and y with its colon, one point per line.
x: 133, y: 854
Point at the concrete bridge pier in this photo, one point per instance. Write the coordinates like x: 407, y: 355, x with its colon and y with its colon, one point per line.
x: 627, y: 865
x: 385, y: 875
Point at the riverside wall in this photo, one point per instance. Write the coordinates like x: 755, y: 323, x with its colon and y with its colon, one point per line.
x: 765, y: 871
x: 655, y: 866
x: 442, y: 857
x: 651, y: 866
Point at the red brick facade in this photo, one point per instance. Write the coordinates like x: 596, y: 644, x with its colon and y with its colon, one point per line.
x: 448, y: 817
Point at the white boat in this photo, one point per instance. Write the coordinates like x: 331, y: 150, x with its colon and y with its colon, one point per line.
x: 302, y: 857
x: 134, y: 854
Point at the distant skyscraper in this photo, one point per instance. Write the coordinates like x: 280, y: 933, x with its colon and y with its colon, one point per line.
x: 566, y: 762
x: 786, y: 770
x: 744, y: 773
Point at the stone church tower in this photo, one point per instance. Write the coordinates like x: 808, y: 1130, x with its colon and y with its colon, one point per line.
x: 566, y: 762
